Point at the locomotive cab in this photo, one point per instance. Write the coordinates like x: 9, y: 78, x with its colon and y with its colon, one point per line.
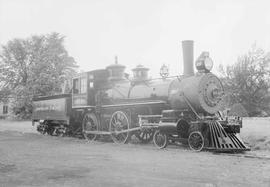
x: 85, y: 86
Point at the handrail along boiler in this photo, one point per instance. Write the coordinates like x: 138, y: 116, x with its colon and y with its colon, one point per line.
x: 168, y: 109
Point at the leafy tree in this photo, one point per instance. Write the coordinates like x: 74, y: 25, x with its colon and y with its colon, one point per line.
x: 248, y: 81
x: 4, y: 94
x: 34, y: 66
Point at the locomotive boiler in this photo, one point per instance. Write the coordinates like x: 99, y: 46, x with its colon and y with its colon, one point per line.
x: 182, y: 108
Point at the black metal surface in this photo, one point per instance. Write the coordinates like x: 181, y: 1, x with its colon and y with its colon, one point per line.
x: 56, y: 107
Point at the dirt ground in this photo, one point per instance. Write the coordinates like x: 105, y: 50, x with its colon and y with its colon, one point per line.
x: 30, y: 159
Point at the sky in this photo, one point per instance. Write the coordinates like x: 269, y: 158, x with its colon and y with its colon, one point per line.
x: 147, y: 32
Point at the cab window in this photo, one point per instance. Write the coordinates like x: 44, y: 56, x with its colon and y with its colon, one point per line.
x: 80, y: 85
x: 76, y: 86
x: 83, y: 85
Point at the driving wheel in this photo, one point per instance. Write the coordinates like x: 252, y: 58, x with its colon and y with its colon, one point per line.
x: 90, y: 123
x: 119, y: 122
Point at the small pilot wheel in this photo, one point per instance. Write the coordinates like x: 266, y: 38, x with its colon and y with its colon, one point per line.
x: 119, y: 122
x: 160, y: 139
x: 145, y: 135
x: 90, y: 123
x: 196, y: 141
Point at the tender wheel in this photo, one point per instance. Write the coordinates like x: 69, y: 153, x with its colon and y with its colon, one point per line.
x: 50, y: 129
x: 196, y: 141
x: 90, y: 123
x: 61, y: 131
x: 119, y: 121
x: 145, y: 135
x: 160, y: 139
x: 42, y: 128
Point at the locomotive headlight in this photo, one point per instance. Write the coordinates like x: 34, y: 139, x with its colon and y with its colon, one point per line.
x: 204, y: 63
x: 208, y: 63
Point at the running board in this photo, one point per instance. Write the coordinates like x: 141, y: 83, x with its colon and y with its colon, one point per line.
x: 115, y: 132
x: 222, y: 141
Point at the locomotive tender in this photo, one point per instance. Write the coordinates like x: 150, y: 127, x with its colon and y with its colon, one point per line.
x: 182, y: 109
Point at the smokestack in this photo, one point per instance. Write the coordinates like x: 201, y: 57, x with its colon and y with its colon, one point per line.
x: 187, y: 46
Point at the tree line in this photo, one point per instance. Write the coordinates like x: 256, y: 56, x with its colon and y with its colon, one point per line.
x: 40, y: 65
x: 247, y: 82
x: 35, y: 66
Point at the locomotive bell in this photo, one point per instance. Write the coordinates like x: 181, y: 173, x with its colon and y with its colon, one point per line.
x: 140, y: 73
x: 187, y: 46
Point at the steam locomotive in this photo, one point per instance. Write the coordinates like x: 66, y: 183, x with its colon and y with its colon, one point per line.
x: 182, y: 109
